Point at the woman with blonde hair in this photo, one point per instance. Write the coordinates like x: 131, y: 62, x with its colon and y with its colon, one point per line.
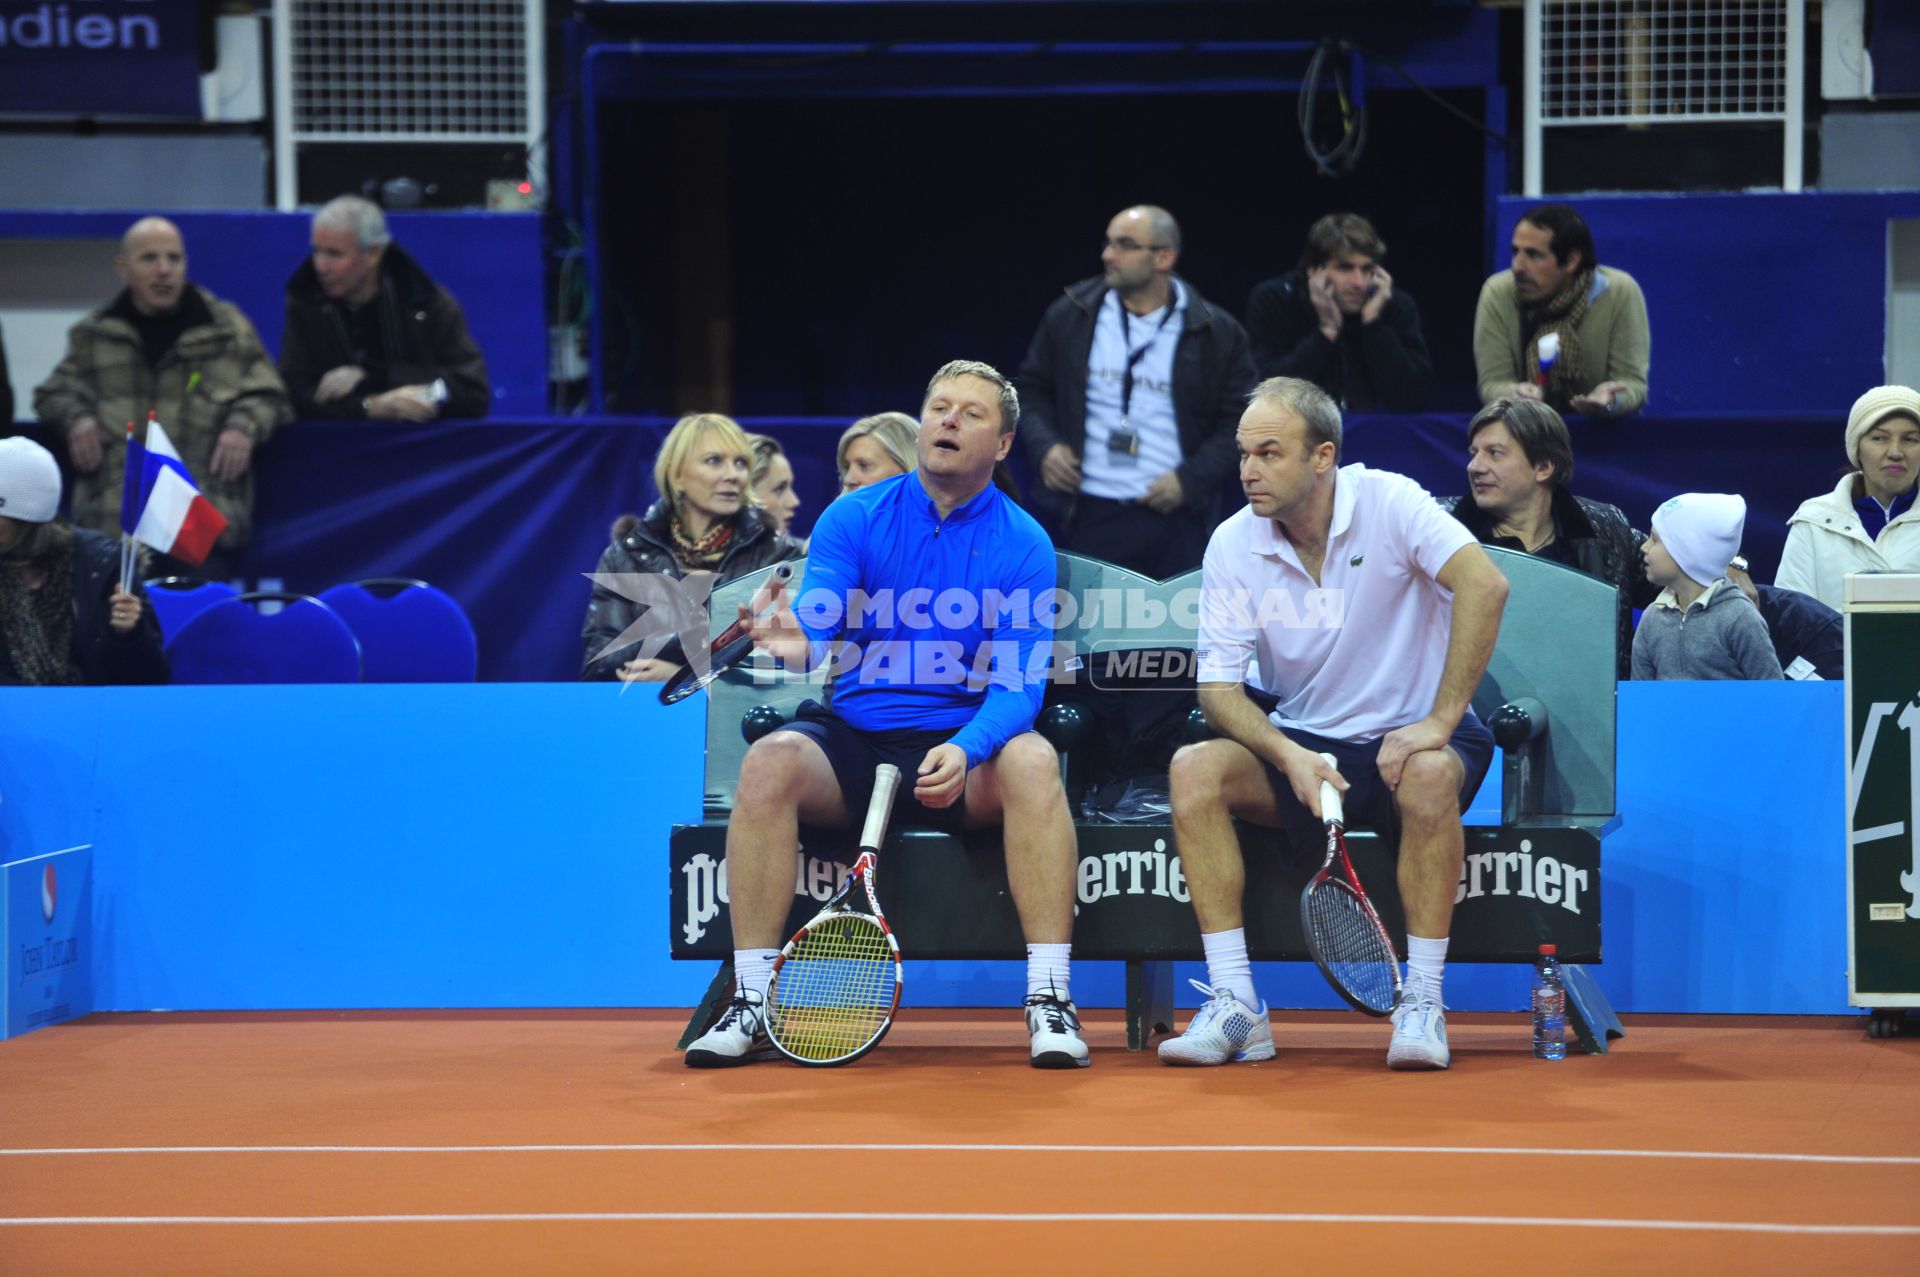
x: 877, y: 447
x: 771, y: 480
x: 704, y: 521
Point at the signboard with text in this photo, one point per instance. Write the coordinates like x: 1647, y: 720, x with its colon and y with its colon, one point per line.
x: 1883, y: 789
x: 46, y: 931
x: 100, y: 57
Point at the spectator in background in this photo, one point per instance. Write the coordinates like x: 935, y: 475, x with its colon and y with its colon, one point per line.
x: 1701, y: 626
x: 1867, y: 523
x: 1519, y: 463
x: 877, y: 447
x: 1338, y: 322
x: 704, y: 521
x: 1593, y: 318
x: 65, y: 616
x: 771, y: 479
x: 6, y: 386
x: 169, y: 347
x: 1809, y: 639
x: 369, y: 335
x: 1132, y: 388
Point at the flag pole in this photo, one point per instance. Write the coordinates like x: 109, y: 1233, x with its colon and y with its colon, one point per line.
x: 126, y: 533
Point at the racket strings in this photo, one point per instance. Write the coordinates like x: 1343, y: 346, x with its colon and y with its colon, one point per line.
x: 836, y: 991
x: 1351, y: 944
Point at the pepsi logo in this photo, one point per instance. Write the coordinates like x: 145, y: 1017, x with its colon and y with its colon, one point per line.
x: 49, y: 893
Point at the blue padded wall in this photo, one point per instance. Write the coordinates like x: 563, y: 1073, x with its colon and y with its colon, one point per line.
x: 505, y: 845
x: 1760, y: 302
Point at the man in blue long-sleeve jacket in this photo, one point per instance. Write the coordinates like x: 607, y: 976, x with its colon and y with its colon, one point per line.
x: 924, y: 594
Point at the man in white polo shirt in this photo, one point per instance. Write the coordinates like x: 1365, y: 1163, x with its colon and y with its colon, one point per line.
x: 1367, y: 614
x: 1129, y: 393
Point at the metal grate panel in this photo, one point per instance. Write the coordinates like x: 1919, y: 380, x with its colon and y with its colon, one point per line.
x: 411, y: 70
x: 1651, y: 61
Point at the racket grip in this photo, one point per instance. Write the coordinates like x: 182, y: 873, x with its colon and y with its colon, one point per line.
x: 886, y: 782
x: 1330, y: 808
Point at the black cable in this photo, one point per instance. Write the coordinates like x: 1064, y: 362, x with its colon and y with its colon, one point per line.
x: 1445, y: 105
x: 1344, y: 156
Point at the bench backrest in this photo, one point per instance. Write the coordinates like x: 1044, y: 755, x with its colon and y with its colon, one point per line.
x: 1556, y: 645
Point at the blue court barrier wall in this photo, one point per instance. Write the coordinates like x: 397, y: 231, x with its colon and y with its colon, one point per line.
x: 492, y: 846
x: 490, y: 262
x: 1760, y: 302
x: 509, y: 515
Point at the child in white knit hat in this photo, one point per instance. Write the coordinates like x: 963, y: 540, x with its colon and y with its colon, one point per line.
x: 1701, y: 626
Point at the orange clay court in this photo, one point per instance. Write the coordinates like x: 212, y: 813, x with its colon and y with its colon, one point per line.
x: 575, y: 1142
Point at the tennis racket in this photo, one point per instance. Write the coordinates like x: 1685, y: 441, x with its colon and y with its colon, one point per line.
x: 836, y: 985
x: 733, y: 646
x: 1344, y: 934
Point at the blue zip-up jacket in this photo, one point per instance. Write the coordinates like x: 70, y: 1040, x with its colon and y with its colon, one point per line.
x: 941, y: 618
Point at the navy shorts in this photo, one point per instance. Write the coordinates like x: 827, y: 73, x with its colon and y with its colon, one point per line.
x: 854, y: 754
x: 1368, y: 802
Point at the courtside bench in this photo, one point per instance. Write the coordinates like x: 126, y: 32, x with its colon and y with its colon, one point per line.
x: 1532, y: 879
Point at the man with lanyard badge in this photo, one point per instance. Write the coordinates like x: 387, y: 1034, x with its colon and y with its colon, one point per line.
x: 1132, y: 388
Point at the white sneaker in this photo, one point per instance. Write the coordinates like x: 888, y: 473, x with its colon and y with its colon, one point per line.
x: 1224, y: 1031
x: 1419, y: 1032
x: 1054, y: 1025
x: 739, y: 1036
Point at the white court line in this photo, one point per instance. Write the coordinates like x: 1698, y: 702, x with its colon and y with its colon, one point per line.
x: 992, y: 1217
x: 1839, y: 1159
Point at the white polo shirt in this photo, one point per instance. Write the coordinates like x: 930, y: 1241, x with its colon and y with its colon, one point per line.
x: 1358, y: 653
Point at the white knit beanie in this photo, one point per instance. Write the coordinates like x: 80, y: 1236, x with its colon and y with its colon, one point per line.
x: 1870, y: 409
x: 1701, y: 530
x: 29, y: 481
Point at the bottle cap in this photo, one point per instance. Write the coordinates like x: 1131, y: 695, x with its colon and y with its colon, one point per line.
x: 1549, y: 950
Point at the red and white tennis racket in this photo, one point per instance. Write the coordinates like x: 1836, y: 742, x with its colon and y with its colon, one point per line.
x: 836, y: 985
x: 1345, y: 935
x: 734, y: 645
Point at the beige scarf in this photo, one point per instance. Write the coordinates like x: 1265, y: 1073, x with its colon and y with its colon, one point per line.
x: 1560, y: 314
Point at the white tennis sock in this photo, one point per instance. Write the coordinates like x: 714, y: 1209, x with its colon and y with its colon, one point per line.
x: 751, y: 968
x: 1049, y: 969
x: 1227, y: 964
x: 1426, y: 963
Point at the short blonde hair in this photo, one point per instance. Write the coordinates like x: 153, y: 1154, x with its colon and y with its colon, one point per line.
x: 897, y: 434
x: 684, y: 439
x: 765, y: 449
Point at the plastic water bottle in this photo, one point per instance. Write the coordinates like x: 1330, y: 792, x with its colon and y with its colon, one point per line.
x: 1549, y: 1006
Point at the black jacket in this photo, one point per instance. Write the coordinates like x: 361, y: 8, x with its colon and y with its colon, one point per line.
x: 6, y: 387
x: 642, y: 545
x: 1212, y: 374
x: 102, y: 655
x: 421, y: 324
x: 1382, y: 366
x: 1802, y: 626
x: 1602, y: 544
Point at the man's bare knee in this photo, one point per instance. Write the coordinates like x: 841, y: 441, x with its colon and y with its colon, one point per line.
x: 775, y: 767
x: 1027, y: 762
x: 1197, y: 769
x: 1430, y: 786
x: 1216, y: 773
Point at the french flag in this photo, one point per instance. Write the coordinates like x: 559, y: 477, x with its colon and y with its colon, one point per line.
x: 160, y: 505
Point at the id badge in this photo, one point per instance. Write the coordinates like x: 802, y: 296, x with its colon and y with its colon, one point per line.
x: 1123, y: 442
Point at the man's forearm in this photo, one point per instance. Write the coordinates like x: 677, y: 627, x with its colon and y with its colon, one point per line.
x: 1233, y: 714
x: 1477, y: 608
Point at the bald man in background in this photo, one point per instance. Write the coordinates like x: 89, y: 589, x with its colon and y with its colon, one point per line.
x: 167, y: 346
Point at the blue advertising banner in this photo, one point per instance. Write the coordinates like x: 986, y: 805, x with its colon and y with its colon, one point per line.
x: 46, y: 931
x: 99, y: 57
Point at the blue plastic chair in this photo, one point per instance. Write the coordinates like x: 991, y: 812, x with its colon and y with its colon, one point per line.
x: 178, y: 599
x: 241, y: 640
x: 409, y: 631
